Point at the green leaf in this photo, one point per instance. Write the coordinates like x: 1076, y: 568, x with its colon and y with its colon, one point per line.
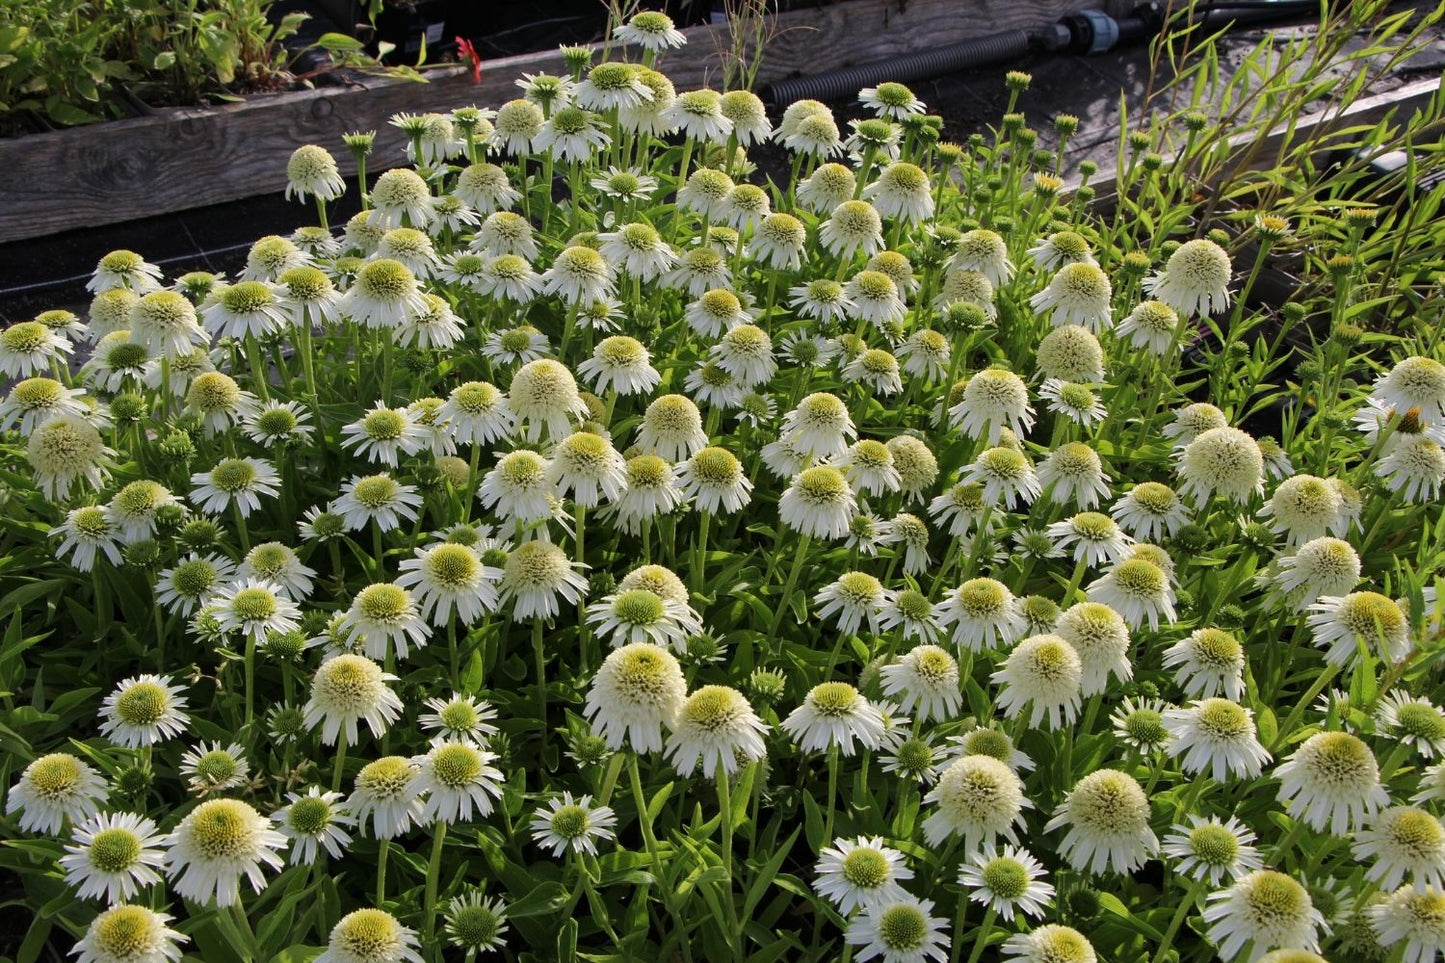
x: 545, y: 898
x: 767, y: 873
x: 340, y: 42
x: 164, y: 60
x: 298, y: 954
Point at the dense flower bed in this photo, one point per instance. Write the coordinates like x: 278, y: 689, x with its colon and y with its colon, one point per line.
x: 888, y: 563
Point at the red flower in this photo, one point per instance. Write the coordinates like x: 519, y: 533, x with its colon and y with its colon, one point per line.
x: 465, y: 49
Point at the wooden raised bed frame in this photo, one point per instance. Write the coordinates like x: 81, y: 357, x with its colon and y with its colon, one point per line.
x: 185, y: 157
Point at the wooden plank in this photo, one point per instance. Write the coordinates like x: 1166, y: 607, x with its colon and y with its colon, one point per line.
x: 184, y: 158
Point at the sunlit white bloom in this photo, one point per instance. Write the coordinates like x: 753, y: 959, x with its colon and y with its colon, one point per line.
x: 1195, y: 280
x: 1331, y: 780
x: 215, y: 844
x: 977, y: 797
x: 54, y: 788
x: 1006, y: 881
x: 129, y: 933
x: 1045, y: 673
x: 1265, y: 910
x: 318, y: 820
x: 143, y: 711
x: 1107, y: 818
x: 717, y: 728
x: 835, y: 714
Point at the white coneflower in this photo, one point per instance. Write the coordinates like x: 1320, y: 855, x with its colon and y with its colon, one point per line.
x: 382, y: 434
x: 993, y: 400
x: 278, y: 423
x: 134, y: 508
x: 699, y: 271
x: 383, y: 792
x: 1060, y: 248
x: 698, y: 115
x: 567, y: 823
x: 1339, y: 624
x: 651, y: 490
x: 859, y: 873
x: 64, y: 449
x: 1095, y: 538
x: 899, y: 931
x: 913, y: 613
x: 143, y: 711
x: 983, y: 251
x: 1073, y: 472
x: 1305, y: 507
x: 385, y: 295
x: 449, y: 579
x: 1415, y: 382
x: 1079, y: 293
x: 509, y: 276
x: 822, y: 300
x: 1401, y: 841
x: 717, y: 728
x: 88, y: 530
x: 868, y: 465
x: 128, y: 933
x: 979, y: 798
x: 852, y: 226
x: 256, y: 608
x: 165, y: 322
x: 401, y: 198
x: 1153, y: 326
x: 638, y: 250
x: 820, y: 425
x: 875, y: 369
x: 1101, y: 639
x: 317, y: 820
x: 383, y: 615
x: 960, y: 507
x: 1414, y: 466
x: 991, y: 742
x: 1141, y: 724
x: 579, y: 274
x: 1045, y: 673
x: 639, y: 615
x: 925, y: 354
x: 926, y: 677
x: 852, y: 598
x: 902, y: 191
x: 1006, y: 476
x: 1137, y: 589
x: 779, y: 241
x: 1217, y: 735
x: 376, y: 498
x: 461, y: 717
x: 1193, y: 420
x: 111, y: 856
x: 1265, y: 909
x: 347, y: 689
x: 478, y: 413
x: 835, y: 714
x: 235, y: 482
x: 109, y: 311
x: 672, y: 428
x: 1195, y: 280
x: 714, y: 480
x: 505, y: 233
x: 1213, y: 849
x: 34, y: 401
x: 585, y: 466
x: 271, y: 257
x: 246, y: 308
x: 520, y: 486
x: 826, y: 188
x: 1006, y: 881
x: 116, y: 363
x: 622, y: 364
x: 458, y: 781
x: 214, y: 845
x: 891, y: 100
x: 745, y: 206
x: 1149, y: 511
x: 475, y: 923
x: 911, y: 532
x: 1331, y: 780
x: 983, y: 614
x: 211, y: 766
x: 638, y: 690
x: 963, y: 286
x: 746, y: 352
x: 54, y: 788
x: 219, y: 401
x: 1413, y: 720
x: 1051, y: 943
x: 486, y: 188
x: 370, y: 936
x: 1208, y: 662
x: 1107, y: 817
x: 277, y: 563
x: 1070, y: 353
x: 544, y: 395
x: 536, y: 573
x: 875, y: 299
x: 818, y: 503
x: 1413, y: 918
x: 124, y: 269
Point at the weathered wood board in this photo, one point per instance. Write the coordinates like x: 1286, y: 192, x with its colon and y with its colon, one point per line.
x: 185, y: 158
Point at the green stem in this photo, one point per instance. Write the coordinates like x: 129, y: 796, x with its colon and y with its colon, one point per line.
x: 981, y: 939
x: 1180, y: 913
x: 433, y: 873
x: 339, y: 766
x: 381, y: 871
x: 832, y: 793
x: 540, y: 654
